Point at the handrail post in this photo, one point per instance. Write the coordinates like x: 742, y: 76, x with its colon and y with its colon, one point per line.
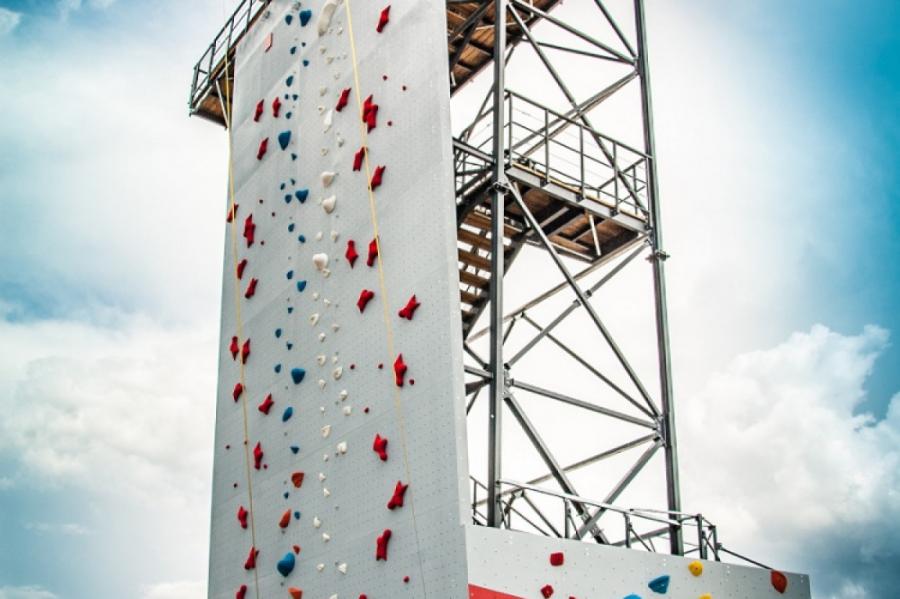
x: 627, y: 530
x: 546, y: 146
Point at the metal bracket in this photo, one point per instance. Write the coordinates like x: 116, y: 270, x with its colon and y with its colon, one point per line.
x: 658, y: 255
x: 502, y: 187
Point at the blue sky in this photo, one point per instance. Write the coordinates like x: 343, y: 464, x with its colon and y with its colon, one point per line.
x: 778, y: 136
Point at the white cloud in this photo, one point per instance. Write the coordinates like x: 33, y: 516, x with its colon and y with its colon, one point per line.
x: 773, y: 452
x: 26, y: 592
x: 9, y: 20
x: 175, y: 590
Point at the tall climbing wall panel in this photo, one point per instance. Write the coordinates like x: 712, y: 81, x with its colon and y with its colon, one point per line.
x: 340, y: 459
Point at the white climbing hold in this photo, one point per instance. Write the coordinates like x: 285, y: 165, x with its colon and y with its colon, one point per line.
x: 320, y: 261
x: 322, y: 383
x: 324, y: 151
x: 326, y: 430
x: 321, y: 476
x: 316, y: 522
x: 324, y: 457
x: 326, y: 537
x: 327, y: 301
x: 322, y: 409
x: 321, y: 337
x: 320, y: 567
x: 315, y: 295
x: 334, y: 235
x: 326, y: 492
x: 327, y: 176
x: 321, y: 359
x: 343, y: 394
x: 327, y: 122
x: 325, y: 16
x: 340, y: 140
x: 342, y: 568
x: 347, y: 410
x: 320, y: 108
x: 337, y: 373
x: 322, y: 91
x: 342, y: 447
x: 314, y: 319
x: 334, y: 359
x: 328, y: 204
x: 335, y: 327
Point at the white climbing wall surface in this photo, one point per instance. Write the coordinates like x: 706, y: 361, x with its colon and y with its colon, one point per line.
x: 340, y: 460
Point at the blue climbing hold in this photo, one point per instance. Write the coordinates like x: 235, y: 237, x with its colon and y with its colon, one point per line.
x: 291, y: 228
x: 286, y: 565
x: 288, y: 412
x: 302, y: 239
x: 290, y: 345
x: 295, y: 97
x: 289, y: 81
x: 305, y: 16
x: 293, y: 49
x: 284, y: 138
x: 290, y: 275
x: 277, y: 333
x: 660, y: 584
x: 290, y: 310
x: 297, y: 375
x: 288, y: 19
x: 286, y: 494
x: 293, y: 156
x: 296, y: 515
x: 277, y: 368
x: 288, y: 198
x: 289, y: 114
x: 305, y: 62
x: 295, y: 449
x: 632, y: 596
x: 301, y: 285
x: 301, y: 195
x: 282, y: 186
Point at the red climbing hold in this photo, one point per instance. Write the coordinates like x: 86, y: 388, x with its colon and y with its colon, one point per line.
x: 364, y: 297
x: 546, y: 591
x: 241, y: 592
x: 257, y: 455
x: 242, y: 516
x: 342, y: 101
x: 381, y: 545
x: 297, y: 479
x: 383, y: 19
x: 263, y: 146
x: 397, y: 498
x: 276, y: 107
x: 779, y: 581
x: 245, y: 351
x: 409, y: 309
x: 557, y: 559
x: 351, y: 254
x: 376, y: 177
x: 240, y: 268
x: 231, y: 212
x: 233, y: 348
x: 358, y: 158
x: 295, y: 593
x: 285, y: 519
x: 249, y: 230
x: 266, y: 405
x: 260, y: 107
x: 236, y: 393
x: 373, y: 252
x: 251, y: 559
x: 251, y: 289
x: 399, y: 370
x: 370, y: 114
x: 296, y: 549
x: 267, y: 43
x: 380, y: 447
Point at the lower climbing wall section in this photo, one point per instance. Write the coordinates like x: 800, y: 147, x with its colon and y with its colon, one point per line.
x: 513, y: 565
x: 340, y: 448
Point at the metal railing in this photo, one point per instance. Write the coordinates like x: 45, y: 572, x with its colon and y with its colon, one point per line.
x: 559, y: 149
x: 232, y: 31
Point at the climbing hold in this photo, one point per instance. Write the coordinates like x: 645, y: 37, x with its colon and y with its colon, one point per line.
x: 260, y: 107
x: 267, y: 42
x: 277, y: 369
x: 245, y: 351
x: 326, y: 430
x: 295, y: 449
x: 301, y: 285
x: 358, y: 158
x: 399, y: 370
x: 779, y: 581
x: 380, y: 447
x: 286, y: 564
x: 250, y: 563
x: 241, y: 592
x: 370, y: 114
x: 305, y: 16
x: 364, y: 297
x: 376, y: 177
x: 297, y: 375
x: 351, y: 254
x: 397, y: 498
x: 297, y: 479
x: 381, y: 545
x: 266, y: 405
x: 327, y: 178
x: 294, y: 592
x: 232, y: 210
x: 696, y: 567
x: 557, y: 558
x: 301, y: 195
x: 251, y: 289
x: 328, y: 204
x: 233, y: 348
x: 289, y: 81
x: 409, y: 309
x: 240, y: 268
x: 327, y: 121
x: 242, y: 516
x: 276, y: 107
x: 546, y: 591
x: 257, y: 455
x: 288, y: 412
x: 284, y: 138
x: 343, y: 99
x: 288, y: 18
x: 285, y: 519
x: 373, y: 252
x: 263, y: 146
x: 706, y: 596
x: 660, y: 584
x: 320, y: 261
x: 249, y: 230
x: 325, y: 17
x: 341, y: 448
x: 236, y: 393
x: 383, y: 18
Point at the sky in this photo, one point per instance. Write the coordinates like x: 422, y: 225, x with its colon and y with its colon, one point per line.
x: 777, y: 136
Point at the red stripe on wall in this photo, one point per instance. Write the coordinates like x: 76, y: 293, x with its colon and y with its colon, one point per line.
x: 477, y: 592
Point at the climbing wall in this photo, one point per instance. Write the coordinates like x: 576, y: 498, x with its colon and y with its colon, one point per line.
x: 340, y: 455
x: 513, y: 565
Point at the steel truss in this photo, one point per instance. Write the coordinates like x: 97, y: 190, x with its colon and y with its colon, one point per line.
x: 498, y: 168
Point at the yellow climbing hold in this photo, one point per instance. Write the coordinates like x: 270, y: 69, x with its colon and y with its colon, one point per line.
x: 705, y: 596
x: 696, y: 569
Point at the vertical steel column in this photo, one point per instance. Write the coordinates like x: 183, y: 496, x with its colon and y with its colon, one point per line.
x: 498, y: 383
x: 673, y: 491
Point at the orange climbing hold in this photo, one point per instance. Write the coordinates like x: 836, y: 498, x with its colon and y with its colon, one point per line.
x: 295, y: 593
x: 409, y: 309
x: 242, y: 517
x: 365, y: 296
x: 351, y: 254
x: 343, y: 99
x: 397, y: 498
x: 297, y: 479
x: 257, y: 455
x: 266, y: 405
x: 251, y: 289
x: 377, y: 176
x: 285, y: 519
x: 381, y: 545
x: 373, y: 252
x: 238, y: 390
x: 383, y: 19
x: 399, y: 370
x: 380, y: 447
x: 233, y: 348
x: 245, y: 351
x: 779, y: 581
x: 263, y: 147
x: 251, y: 559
